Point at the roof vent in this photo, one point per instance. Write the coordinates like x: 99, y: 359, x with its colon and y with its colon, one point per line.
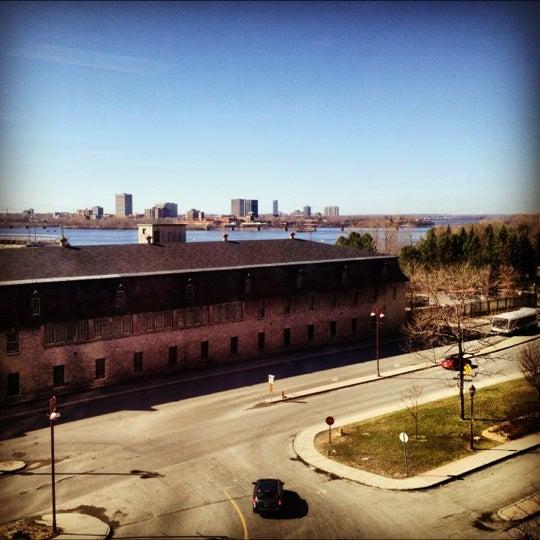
x: 64, y: 241
x: 291, y: 235
x: 225, y: 237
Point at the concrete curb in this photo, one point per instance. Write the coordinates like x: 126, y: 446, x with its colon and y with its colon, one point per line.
x: 525, y: 508
x: 304, y: 448
x: 75, y: 525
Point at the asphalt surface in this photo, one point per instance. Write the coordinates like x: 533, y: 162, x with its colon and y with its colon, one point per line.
x: 178, y: 460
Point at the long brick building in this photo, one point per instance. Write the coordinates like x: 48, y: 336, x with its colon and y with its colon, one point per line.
x: 79, y: 316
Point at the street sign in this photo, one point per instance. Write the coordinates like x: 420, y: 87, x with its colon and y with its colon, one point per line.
x: 403, y: 437
x: 329, y: 420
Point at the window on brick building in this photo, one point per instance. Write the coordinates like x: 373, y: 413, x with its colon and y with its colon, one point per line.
x: 167, y: 319
x: 173, y: 355
x: 58, y: 376
x: 287, y: 306
x: 35, y: 305
x: 82, y: 330
x: 12, y: 341
x: 13, y: 387
x: 127, y: 325
x: 261, y: 338
x: 234, y: 345
x: 354, y: 325
x: 148, y: 322
x: 311, y: 332
x: 138, y: 361
x: 158, y: 320
x: 286, y: 336
x: 260, y: 310
x: 100, y: 368
x: 333, y: 327
x: 204, y: 350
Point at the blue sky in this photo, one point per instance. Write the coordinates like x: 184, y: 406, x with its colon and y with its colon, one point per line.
x: 376, y: 107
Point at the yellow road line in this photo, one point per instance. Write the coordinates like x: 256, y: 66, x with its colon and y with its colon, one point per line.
x: 240, y: 515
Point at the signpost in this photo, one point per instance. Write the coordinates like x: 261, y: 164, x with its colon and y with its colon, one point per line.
x: 404, y: 438
x: 53, y: 415
x: 329, y: 421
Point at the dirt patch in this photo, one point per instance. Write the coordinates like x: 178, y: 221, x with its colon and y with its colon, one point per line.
x: 25, y: 529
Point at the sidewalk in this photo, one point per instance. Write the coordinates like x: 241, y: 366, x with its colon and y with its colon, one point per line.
x: 305, y: 450
x: 75, y: 525
x: 386, y: 374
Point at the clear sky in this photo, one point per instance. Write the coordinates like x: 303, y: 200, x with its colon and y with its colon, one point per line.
x: 374, y: 107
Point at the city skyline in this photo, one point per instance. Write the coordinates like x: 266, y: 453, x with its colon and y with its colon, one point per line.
x: 378, y: 108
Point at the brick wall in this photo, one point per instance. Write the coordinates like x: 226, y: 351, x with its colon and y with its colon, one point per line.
x: 34, y: 362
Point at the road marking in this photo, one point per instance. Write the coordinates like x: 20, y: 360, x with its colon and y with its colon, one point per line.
x: 240, y: 515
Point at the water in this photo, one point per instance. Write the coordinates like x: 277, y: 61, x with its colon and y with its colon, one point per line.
x: 93, y: 237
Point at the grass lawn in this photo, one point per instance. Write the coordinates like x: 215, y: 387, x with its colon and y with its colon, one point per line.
x: 374, y: 445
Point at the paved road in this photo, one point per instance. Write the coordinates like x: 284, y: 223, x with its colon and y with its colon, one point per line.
x: 179, y: 460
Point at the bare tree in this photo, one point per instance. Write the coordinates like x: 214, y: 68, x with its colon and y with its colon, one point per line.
x: 411, y: 399
x: 529, y: 362
x: 447, y: 320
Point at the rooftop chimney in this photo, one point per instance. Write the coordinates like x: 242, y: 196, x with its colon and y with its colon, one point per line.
x: 225, y: 237
x: 291, y: 235
x: 64, y: 241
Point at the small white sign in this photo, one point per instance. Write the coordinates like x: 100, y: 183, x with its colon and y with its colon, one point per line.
x: 403, y: 437
x: 271, y: 379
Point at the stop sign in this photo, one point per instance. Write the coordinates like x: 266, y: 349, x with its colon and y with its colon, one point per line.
x: 329, y: 420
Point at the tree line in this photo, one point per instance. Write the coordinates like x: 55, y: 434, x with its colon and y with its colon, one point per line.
x: 505, y: 249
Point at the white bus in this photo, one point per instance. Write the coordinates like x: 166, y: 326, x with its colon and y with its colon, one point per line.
x: 513, y: 322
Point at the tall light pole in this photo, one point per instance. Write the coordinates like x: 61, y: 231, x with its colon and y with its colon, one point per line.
x: 472, y: 391
x: 53, y: 415
x: 377, y: 317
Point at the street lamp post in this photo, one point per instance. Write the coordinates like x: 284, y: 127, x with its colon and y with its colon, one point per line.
x: 53, y: 415
x: 472, y: 391
x: 377, y: 317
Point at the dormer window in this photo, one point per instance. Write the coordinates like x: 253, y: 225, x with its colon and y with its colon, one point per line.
x: 120, y: 296
x: 35, y: 304
x: 345, y: 276
x: 190, y: 292
x: 300, y: 279
x: 248, y: 283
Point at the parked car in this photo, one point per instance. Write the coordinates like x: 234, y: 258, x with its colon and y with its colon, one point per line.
x: 452, y: 361
x: 267, y: 495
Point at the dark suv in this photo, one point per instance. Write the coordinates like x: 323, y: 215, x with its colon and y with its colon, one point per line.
x: 267, y: 495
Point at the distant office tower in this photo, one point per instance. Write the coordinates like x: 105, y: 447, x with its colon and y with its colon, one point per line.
x: 275, y: 210
x: 331, y: 210
x: 124, y: 204
x: 167, y: 209
x: 307, y: 211
x: 97, y: 212
x: 242, y: 207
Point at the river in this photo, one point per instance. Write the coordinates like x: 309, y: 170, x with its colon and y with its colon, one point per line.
x: 93, y: 237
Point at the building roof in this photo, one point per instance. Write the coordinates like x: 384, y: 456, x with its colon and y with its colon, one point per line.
x: 27, y: 265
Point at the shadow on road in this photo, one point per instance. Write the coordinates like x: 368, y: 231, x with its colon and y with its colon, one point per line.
x: 137, y: 396
x: 294, y: 507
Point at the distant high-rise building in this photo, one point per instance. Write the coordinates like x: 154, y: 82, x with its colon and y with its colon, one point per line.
x: 97, y: 212
x: 241, y: 207
x: 168, y: 209
x: 124, y: 204
x: 307, y: 211
x: 331, y: 210
x: 275, y: 210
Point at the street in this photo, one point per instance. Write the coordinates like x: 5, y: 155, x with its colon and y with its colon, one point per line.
x: 179, y: 460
